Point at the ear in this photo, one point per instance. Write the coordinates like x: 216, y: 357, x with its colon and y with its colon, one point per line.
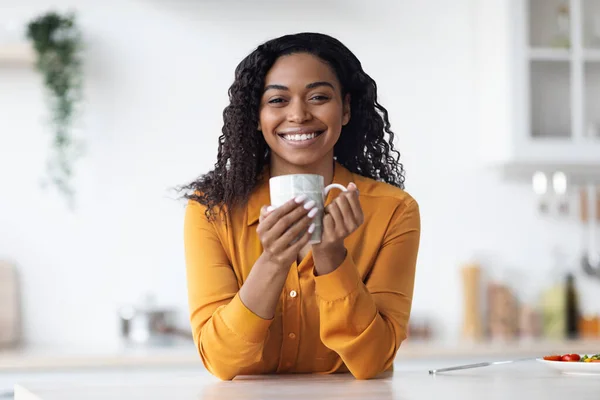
x: 259, y: 127
x: 346, y: 110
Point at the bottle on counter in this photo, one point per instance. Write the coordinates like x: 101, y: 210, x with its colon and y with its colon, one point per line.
x: 529, y: 316
x: 503, y: 315
x: 553, y: 302
x: 472, y: 324
x: 553, y: 299
x: 10, y: 319
x: 572, y: 312
x: 589, y: 326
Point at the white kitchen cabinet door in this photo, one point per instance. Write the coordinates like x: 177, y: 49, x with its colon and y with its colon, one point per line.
x: 538, y: 86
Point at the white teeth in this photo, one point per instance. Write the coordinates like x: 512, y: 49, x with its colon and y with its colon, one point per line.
x: 301, y: 137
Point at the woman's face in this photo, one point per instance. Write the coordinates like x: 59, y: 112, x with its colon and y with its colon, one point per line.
x: 302, y: 111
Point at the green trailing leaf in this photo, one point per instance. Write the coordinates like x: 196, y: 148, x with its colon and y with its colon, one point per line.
x: 58, y: 44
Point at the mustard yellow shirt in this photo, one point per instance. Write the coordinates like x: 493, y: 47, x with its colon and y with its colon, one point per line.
x: 353, y: 319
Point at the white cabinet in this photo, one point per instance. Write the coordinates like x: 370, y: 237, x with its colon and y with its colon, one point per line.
x: 538, y: 86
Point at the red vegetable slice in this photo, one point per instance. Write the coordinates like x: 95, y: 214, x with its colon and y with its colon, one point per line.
x: 552, y: 358
x: 570, y: 357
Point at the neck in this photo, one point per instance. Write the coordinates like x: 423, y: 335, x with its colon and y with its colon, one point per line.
x: 323, y: 167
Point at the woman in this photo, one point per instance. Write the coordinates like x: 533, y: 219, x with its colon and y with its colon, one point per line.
x: 262, y: 302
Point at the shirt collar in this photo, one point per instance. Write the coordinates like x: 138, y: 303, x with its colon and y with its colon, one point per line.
x: 261, y: 197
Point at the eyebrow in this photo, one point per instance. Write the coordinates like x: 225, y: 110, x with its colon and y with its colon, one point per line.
x: 309, y: 86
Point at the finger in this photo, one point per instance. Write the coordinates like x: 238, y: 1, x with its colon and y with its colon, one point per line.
x: 328, y: 226
x: 274, y: 214
x: 338, y: 221
x: 354, y: 201
x: 294, y: 233
x: 346, y: 211
x: 285, y: 222
x: 293, y: 250
x: 302, y: 241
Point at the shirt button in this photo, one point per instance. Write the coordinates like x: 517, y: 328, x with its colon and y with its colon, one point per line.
x: 292, y: 335
x: 293, y: 294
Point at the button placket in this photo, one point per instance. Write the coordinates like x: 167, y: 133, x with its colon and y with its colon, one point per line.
x: 291, y: 322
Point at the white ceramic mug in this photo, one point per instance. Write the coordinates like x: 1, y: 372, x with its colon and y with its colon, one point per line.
x: 285, y: 187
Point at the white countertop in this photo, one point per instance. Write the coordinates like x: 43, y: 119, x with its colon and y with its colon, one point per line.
x: 185, y: 355
x: 530, y: 380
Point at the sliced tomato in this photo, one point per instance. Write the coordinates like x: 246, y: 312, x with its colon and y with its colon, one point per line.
x: 570, y: 357
x: 552, y: 358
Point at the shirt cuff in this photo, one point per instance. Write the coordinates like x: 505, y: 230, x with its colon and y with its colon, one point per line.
x: 244, y: 323
x: 340, y: 283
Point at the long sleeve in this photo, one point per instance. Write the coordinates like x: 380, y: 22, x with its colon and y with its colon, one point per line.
x: 365, y: 322
x: 229, y: 337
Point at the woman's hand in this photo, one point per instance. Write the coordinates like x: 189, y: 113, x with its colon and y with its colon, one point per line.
x: 342, y: 217
x: 279, y: 228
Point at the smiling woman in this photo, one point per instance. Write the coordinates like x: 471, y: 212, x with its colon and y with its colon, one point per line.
x: 302, y: 112
x: 262, y: 298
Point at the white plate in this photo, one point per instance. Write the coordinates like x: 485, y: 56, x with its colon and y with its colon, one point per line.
x: 573, y: 368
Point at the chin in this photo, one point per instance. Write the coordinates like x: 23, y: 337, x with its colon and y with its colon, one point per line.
x: 301, y: 160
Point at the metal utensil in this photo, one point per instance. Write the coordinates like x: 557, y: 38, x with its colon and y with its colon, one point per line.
x: 477, y: 365
x: 149, y: 324
x: 590, y: 261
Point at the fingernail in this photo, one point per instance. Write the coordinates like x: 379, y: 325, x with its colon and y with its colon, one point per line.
x: 270, y: 208
x: 313, y: 212
x: 310, y: 205
x: 300, y: 198
x: 311, y: 228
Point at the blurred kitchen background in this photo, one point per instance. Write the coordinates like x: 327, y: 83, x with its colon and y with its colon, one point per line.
x: 496, y: 107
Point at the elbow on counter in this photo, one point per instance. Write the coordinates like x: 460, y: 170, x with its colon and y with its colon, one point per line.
x: 220, y: 369
x: 221, y: 372
x: 365, y: 373
x: 369, y: 369
x: 224, y: 369
x: 214, y: 366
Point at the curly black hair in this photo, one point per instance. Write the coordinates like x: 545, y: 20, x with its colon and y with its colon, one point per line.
x: 243, y: 152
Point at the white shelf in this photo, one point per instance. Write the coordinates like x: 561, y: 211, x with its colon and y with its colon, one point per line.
x: 578, y: 174
x: 16, y: 54
x: 549, y: 54
x: 592, y: 55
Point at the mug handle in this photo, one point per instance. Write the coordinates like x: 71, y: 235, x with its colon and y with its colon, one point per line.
x: 333, y: 185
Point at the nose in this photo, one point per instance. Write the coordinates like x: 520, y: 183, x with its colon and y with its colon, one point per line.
x: 298, y: 112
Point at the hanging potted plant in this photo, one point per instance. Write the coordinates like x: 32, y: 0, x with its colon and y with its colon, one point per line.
x: 57, y: 42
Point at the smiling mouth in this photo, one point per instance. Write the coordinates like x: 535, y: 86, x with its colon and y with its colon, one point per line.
x: 300, y: 137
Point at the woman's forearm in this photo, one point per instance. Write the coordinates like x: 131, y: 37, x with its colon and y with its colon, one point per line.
x: 327, y: 260
x: 262, y: 289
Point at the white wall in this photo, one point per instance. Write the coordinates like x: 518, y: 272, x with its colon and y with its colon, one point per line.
x: 156, y: 80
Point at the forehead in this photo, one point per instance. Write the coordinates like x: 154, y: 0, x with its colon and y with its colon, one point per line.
x: 300, y: 69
